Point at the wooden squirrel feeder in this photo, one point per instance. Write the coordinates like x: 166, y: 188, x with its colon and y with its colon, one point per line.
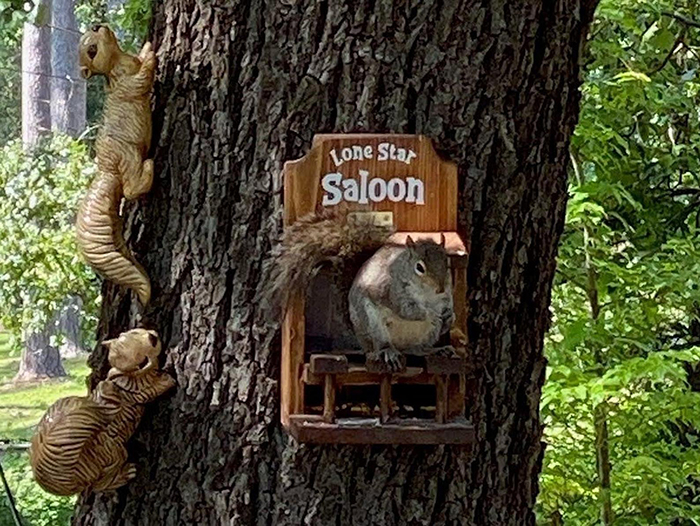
x: 327, y: 393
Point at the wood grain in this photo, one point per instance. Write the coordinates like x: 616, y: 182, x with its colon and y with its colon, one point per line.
x: 437, y: 217
x: 303, y: 192
x: 312, y: 429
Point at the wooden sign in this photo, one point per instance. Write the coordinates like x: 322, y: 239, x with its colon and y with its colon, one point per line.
x: 401, y: 174
x: 397, y: 179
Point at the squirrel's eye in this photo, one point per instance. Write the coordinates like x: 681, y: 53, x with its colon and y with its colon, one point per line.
x: 420, y: 268
x: 92, y: 51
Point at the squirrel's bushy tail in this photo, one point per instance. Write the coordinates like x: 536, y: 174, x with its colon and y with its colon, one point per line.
x: 312, y: 241
x: 98, y: 229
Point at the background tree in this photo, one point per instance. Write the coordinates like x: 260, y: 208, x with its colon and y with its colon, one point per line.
x: 39, y: 357
x: 243, y: 87
x: 68, y: 112
x: 626, y: 298
x: 12, y: 18
x: 36, y: 75
x: 40, y: 266
x: 67, y: 86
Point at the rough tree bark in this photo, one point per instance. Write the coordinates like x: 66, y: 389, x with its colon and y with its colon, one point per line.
x: 36, y: 76
x: 243, y: 86
x: 67, y: 86
x: 39, y: 358
x: 69, y: 328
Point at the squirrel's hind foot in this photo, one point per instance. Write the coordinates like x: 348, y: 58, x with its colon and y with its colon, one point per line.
x: 448, y: 351
x: 386, y: 361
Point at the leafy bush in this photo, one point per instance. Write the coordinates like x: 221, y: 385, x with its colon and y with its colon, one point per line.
x: 36, y: 507
x: 39, y: 261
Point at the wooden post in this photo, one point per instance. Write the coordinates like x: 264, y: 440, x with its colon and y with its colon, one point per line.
x: 459, y: 288
x: 457, y: 387
x: 329, y: 399
x: 385, y: 398
x: 292, y: 390
x: 441, y: 399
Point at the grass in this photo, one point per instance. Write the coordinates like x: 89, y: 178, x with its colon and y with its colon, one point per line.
x: 8, y: 363
x: 21, y: 407
x: 36, y: 507
x: 23, y: 404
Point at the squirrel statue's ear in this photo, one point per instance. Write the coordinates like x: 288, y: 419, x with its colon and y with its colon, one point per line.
x: 442, y: 240
x: 409, y: 241
x: 108, y: 343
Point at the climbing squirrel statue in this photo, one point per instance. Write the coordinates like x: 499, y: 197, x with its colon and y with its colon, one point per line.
x: 400, y: 300
x: 80, y: 442
x: 122, y: 145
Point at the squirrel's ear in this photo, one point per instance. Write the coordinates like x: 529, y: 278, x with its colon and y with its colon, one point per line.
x: 410, y: 242
x: 108, y: 343
x: 442, y: 240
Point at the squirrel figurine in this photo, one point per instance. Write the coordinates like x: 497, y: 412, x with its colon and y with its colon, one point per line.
x: 399, y: 301
x: 122, y: 145
x: 80, y: 441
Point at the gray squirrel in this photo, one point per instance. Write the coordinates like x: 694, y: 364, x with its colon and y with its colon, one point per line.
x: 399, y: 301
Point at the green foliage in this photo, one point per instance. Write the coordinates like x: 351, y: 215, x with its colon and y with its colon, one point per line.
x: 36, y: 507
x: 11, y: 21
x: 625, y: 334
x: 21, y: 407
x: 132, y: 20
x: 39, y: 262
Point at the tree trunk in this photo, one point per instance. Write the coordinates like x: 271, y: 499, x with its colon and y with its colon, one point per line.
x: 602, y: 455
x: 36, y: 76
x: 243, y: 86
x: 67, y: 86
x: 39, y: 358
x: 69, y: 328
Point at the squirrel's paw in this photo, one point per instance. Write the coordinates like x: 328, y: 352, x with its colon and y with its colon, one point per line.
x: 386, y: 361
x: 458, y: 338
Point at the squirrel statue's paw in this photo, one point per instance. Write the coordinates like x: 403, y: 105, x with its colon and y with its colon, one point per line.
x: 149, y: 60
x: 145, y: 50
x: 148, y: 57
x: 386, y: 361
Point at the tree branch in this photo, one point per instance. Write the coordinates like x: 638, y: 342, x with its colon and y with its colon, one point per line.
x: 685, y: 20
x: 670, y: 54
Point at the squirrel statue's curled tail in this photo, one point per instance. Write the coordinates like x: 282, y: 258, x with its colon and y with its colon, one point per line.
x: 100, y: 237
x: 122, y: 145
x: 318, y: 239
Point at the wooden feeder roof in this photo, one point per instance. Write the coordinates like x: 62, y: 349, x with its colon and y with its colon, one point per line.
x: 453, y: 243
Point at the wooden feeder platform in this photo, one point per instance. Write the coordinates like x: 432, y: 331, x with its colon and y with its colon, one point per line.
x: 383, y: 164
x: 333, y: 371
x: 312, y: 429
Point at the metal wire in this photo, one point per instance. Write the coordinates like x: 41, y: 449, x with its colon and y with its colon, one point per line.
x: 10, y: 498
x: 37, y: 73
